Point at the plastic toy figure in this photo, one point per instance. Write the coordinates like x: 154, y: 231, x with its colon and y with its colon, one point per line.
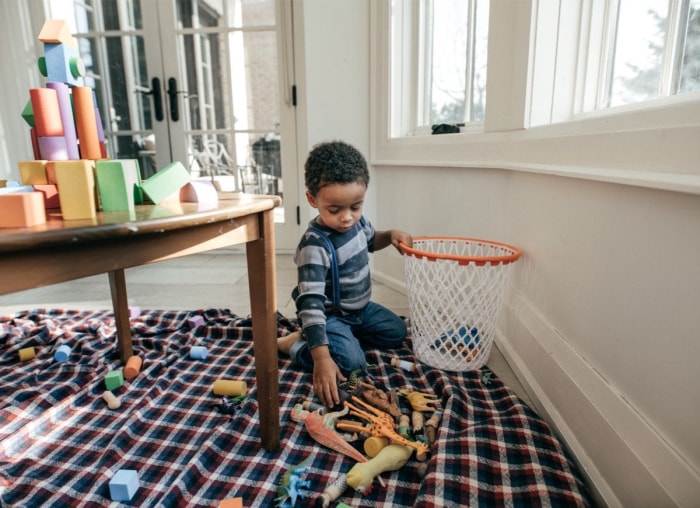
x: 289, y: 489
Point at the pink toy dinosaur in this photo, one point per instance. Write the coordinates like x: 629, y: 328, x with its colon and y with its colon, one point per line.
x: 322, y: 429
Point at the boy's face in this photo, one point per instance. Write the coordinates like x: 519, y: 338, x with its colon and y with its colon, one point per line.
x: 339, y: 205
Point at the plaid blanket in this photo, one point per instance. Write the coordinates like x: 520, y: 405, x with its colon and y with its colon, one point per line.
x: 61, y: 444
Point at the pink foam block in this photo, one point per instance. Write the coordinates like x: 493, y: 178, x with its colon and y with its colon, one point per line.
x: 199, y: 191
x: 53, y: 148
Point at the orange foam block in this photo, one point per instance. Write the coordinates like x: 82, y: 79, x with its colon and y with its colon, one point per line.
x: 166, y: 182
x: 47, y: 112
x: 33, y: 172
x: 232, y: 502
x: 22, y: 209
x: 50, y: 193
x: 86, y: 122
x: 132, y: 367
x: 76, y: 189
x: 57, y: 31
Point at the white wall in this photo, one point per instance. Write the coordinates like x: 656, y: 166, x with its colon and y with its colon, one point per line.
x: 600, y: 322
x: 334, y: 84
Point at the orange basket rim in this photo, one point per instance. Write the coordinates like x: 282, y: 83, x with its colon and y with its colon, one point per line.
x: 432, y: 256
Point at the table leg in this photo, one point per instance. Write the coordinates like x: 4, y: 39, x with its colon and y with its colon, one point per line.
x: 117, y: 286
x: 262, y: 283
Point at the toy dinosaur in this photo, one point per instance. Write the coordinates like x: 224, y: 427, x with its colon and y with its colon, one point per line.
x: 355, y: 386
x: 322, y: 429
x: 380, y: 424
x: 390, y: 458
x: 290, y: 485
x: 420, y: 401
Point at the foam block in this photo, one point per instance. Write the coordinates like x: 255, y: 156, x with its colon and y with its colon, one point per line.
x: 63, y: 64
x: 62, y: 353
x: 117, y: 184
x: 166, y: 182
x: 56, y: 31
x: 199, y: 191
x: 76, y: 189
x: 114, y: 379
x: 47, y: 113
x: 64, y: 104
x: 124, y: 485
x: 86, y: 123
x: 195, y: 321
x: 21, y: 209
x: 132, y: 367
x: 33, y: 172
x: 50, y: 193
x: 28, y: 114
x: 229, y: 387
x: 232, y: 502
x: 26, y: 354
x: 53, y: 148
x: 198, y: 353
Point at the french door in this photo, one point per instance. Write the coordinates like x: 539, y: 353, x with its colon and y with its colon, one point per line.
x: 203, y: 82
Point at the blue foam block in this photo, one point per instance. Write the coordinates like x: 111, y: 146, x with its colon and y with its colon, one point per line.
x: 123, y: 485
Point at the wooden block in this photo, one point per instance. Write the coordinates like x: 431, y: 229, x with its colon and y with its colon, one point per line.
x: 86, y: 123
x: 50, y: 193
x: 47, y: 113
x: 166, y: 182
x: 76, y: 189
x: 118, y: 183
x: 114, y: 379
x: 124, y: 485
x: 21, y: 209
x: 33, y: 172
x: 69, y: 132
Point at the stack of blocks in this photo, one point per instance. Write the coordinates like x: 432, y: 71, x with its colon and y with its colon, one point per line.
x: 71, y: 170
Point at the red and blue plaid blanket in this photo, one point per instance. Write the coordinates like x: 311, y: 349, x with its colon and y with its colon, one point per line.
x: 61, y: 444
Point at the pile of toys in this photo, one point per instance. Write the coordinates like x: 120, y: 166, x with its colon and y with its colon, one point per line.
x: 390, y: 434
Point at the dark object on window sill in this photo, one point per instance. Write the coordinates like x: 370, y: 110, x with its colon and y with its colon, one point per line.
x: 445, y: 128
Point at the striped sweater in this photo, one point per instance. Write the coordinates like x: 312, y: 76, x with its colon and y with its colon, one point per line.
x: 314, y: 292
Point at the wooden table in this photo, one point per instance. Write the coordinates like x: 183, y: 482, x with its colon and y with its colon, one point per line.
x: 59, y: 251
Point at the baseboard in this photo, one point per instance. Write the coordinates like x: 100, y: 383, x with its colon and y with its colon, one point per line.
x: 626, y: 460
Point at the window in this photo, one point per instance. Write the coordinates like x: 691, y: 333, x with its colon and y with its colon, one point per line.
x: 445, y: 80
x: 654, y: 50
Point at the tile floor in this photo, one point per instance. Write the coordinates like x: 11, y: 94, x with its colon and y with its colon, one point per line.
x: 216, y: 279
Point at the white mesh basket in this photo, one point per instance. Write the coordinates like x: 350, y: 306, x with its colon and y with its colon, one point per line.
x: 455, y: 292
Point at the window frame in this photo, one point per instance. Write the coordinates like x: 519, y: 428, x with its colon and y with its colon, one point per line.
x: 651, y: 144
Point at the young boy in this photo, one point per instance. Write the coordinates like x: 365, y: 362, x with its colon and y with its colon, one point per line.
x: 331, y: 340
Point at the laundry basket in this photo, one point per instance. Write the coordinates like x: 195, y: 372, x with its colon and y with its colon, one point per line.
x: 455, y: 292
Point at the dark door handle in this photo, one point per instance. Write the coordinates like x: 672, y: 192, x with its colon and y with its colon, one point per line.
x: 172, y: 94
x: 157, y: 97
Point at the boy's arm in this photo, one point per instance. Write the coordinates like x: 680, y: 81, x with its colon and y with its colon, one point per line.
x: 393, y: 237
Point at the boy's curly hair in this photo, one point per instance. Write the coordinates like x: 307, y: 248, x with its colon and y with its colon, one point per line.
x: 334, y: 162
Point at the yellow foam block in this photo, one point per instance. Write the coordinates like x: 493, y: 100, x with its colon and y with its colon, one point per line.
x: 76, y: 189
x: 22, y: 209
x: 33, y: 172
x: 26, y: 354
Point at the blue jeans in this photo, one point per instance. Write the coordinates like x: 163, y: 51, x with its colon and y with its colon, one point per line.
x: 375, y: 326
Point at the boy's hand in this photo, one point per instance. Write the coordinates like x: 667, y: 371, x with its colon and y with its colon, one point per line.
x: 398, y: 237
x: 326, y: 376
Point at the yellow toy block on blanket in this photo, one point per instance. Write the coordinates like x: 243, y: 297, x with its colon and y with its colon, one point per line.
x: 166, y: 182
x: 76, y: 189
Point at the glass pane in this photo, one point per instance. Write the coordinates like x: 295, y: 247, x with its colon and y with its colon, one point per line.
x: 253, y: 13
x: 690, y: 71
x: 200, y: 14
x: 122, y: 14
x: 458, y: 72
x: 255, y: 81
x: 638, y: 50
x: 80, y: 16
